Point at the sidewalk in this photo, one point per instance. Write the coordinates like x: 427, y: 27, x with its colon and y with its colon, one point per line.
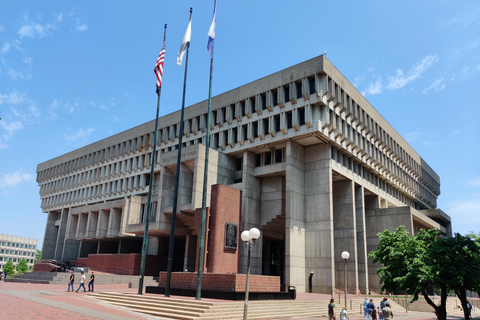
x: 52, y: 301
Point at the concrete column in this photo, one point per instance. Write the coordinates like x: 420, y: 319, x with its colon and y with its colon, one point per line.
x: 319, y: 248
x: 50, y: 238
x: 153, y: 244
x: 71, y: 246
x: 372, y: 203
x: 250, y: 217
x: 295, y: 232
x: 344, y: 222
x: 61, y: 234
x: 361, y: 240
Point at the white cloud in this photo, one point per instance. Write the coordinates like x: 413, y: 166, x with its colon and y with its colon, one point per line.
x: 13, y: 179
x: 15, y: 75
x: 430, y: 143
x: 14, y: 97
x: 82, y: 28
x: 2, y: 28
x: 437, y: 85
x: 9, y: 127
x: 374, y: 88
x: 412, y: 136
x: 6, y: 47
x: 115, y: 119
x: 478, y: 67
x: 399, y: 80
x: 475, y: 182
x: 35, y: 29
x: 454, y: 133
x: 80, y: 136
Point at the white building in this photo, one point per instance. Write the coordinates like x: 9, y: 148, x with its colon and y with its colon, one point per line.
x: 17, y: 248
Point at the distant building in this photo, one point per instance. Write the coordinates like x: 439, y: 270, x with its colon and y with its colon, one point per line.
x: 319, y: 171
x: 17, y: 248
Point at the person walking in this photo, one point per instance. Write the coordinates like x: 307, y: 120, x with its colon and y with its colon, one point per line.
x: 370, y: 308
x: 90, y: 283
x: 331, y: 310
x: 469, y: 309
x: 373, y: 315
x: 344, y: 314
x: 387, y: 312
x: 82, y: 283
x: 71, y: 281
x: 365, y: 302
x: 380, y: 312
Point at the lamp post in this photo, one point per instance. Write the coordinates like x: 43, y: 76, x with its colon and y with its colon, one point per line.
x: 345, y: 256
x: 249, y: 237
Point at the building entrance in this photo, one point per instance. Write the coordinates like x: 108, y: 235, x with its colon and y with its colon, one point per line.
x: 274, y: 259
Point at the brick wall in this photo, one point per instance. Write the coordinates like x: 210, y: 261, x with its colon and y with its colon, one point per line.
x: 221, y: 282
x: 127, y: 263
x: 225, y: 206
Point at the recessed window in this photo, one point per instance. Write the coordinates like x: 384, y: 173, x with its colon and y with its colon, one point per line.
x: 311, y: 85
x: 268, y: 158
x: 298, y: 87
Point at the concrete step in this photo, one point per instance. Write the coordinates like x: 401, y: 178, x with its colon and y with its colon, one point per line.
x: 172, y: 308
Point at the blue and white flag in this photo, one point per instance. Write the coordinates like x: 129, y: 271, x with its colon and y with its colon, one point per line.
x: 211, y: 33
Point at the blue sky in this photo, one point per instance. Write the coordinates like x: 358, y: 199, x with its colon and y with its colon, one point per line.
x: 72, y: 73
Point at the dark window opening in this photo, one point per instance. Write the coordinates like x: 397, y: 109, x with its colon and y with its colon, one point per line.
x: 286, y: 93
x: 289, y: 120
x: 268, y: 158
x: 301, y: 116
x: 239, y: 163
x: 311, y: 85
x: 298, y: 86
x: 277, y: 122
x: 258, y: 160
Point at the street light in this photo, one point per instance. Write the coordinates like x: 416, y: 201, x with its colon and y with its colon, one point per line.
x: 345, y: 256
x: 249, y: 237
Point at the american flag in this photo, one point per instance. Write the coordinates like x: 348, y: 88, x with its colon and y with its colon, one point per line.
x: 159, y: 66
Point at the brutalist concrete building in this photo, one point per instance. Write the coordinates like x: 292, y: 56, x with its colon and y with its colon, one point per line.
x: 319, y: 171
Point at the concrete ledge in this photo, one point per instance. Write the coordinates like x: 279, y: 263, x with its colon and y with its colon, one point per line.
x: 225, y: 295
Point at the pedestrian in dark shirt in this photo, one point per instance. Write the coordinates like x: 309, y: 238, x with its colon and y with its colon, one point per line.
x: 71, y: 281
x: 90, y: 283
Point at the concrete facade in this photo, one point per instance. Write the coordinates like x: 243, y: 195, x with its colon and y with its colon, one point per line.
x: 319, y: 169
x: 15, y: 248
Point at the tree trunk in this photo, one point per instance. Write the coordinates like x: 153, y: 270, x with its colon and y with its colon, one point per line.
x: 440, y: 310
x: 462, y: 295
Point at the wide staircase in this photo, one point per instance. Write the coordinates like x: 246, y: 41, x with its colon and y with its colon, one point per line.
x: 62, y: 278
x: 189, y: 309
x: 453, y: 305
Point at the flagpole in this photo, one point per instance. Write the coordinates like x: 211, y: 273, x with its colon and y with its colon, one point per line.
x: 203, y: 217
x: 150, y: 186
x: 177, y: 175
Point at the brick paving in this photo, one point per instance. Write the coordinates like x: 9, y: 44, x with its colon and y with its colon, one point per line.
x: 51, y: 301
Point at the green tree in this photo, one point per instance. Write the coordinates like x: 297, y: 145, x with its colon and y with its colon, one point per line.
x: 38, y: 256
x: 22, y: 266
x: 405, y: 267
x: 455, y: 263
x: 418, y: 262
x: 8, y: 268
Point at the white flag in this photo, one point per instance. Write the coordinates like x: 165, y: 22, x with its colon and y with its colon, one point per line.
x: 183, y: 47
